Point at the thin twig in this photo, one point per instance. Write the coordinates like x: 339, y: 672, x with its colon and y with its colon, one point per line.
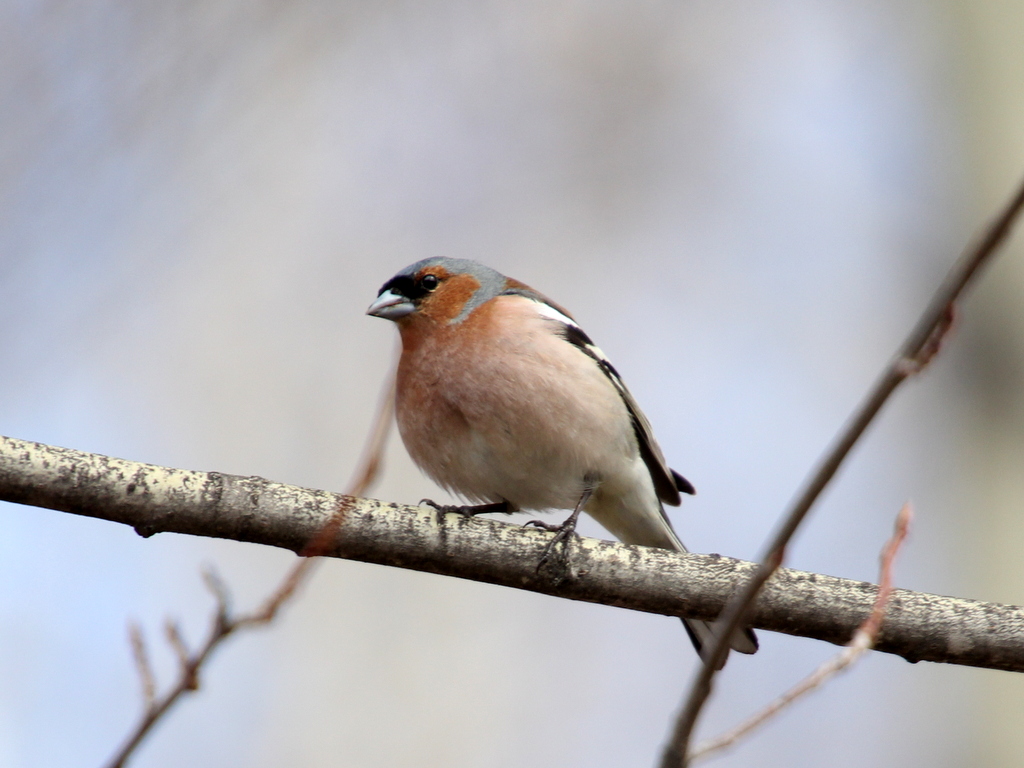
x: 223, y: 624
x: 187, y: 669
x: 920, y: 347
x: 145, y: 669
x: 177, y: 641
x: 218, y: 589
x: 863, y: 640
x: 369, y: 468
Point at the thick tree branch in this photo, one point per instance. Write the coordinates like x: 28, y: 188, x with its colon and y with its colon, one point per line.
x: 156, y: 499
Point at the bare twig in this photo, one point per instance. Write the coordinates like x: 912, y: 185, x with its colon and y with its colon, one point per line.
x: 188, y: 670
x: 138, y: 643
x: 177, y: 641
x: 863, y: 640
x: 920, y: 347
x: 369, y: 469
x: 218, y: 589
x: 373, y: 453
x: 223, y: 623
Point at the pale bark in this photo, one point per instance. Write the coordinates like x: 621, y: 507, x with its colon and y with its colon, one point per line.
x: 153, y: 499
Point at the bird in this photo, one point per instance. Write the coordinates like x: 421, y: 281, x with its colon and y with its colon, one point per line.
x: 503, y: 400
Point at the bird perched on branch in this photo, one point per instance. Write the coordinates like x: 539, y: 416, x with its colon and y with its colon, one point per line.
x: 503, y: 399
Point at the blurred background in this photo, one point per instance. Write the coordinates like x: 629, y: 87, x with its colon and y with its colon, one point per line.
x: 746, y: 204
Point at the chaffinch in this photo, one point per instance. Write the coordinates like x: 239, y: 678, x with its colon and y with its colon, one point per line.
x: 503, y: 400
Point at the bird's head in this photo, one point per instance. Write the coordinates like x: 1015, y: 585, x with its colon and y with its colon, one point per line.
x: 441, y: 289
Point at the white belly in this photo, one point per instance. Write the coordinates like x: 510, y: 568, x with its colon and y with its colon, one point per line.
x: 508, y: 427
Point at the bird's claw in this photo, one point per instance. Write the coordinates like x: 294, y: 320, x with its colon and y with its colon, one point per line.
x: 468, y: 511
x: 442, y: 508
x: 541, y: 524
x: 564, y: 533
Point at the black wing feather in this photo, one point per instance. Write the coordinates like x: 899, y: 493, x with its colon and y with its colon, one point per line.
x: 667, y: 482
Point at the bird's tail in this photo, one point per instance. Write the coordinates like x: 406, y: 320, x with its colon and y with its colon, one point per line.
x: 704, y: 633
x: 650, y: 531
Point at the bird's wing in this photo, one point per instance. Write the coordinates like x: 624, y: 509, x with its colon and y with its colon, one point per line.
x: 667, y: 482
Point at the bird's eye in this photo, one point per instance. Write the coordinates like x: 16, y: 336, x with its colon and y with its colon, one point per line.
x: 428, y: 282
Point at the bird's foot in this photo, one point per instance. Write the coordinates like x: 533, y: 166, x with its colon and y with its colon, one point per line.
x: 564, y: 532
x: 470, y: 510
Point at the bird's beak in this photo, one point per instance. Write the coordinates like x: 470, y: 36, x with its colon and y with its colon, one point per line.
x: 391, y: 306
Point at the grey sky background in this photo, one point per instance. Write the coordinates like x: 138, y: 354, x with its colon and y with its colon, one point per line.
x: 745, y: 204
